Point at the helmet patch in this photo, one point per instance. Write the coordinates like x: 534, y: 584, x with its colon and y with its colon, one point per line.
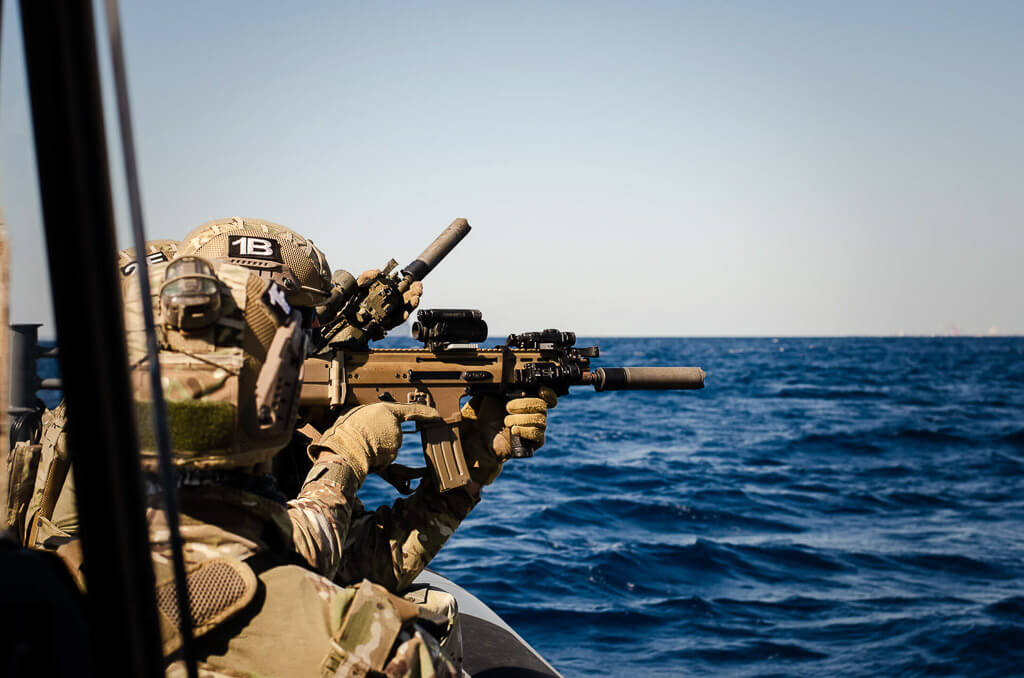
x: 132, y: 266
x: 248, y: 246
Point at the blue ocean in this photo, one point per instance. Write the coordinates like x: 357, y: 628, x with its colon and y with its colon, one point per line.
x: 847, y: 507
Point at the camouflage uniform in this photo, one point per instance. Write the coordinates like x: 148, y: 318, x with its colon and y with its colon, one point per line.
x: 259, y: 569
x: 50, y: 518
x: 307, y: 620
x: 389, y: 546
x: 393, y: 544
x: 325, y: 524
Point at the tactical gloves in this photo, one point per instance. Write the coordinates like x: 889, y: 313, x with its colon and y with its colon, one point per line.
x: 488, y: 424
x: 362, y: 309
x: 367, y: 437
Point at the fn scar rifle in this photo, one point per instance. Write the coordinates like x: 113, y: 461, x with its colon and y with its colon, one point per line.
x: 451, y: 365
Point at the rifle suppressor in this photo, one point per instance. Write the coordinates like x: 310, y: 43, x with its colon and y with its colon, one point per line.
x: 648, y: 378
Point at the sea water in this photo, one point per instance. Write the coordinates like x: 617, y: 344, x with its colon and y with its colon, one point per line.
x: 847, y: 507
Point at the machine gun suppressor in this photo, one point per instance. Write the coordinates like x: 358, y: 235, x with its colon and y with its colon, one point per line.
x: 451, y: 366
x: 356, y: 314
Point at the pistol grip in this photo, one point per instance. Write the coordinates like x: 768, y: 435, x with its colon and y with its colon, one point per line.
x: 442, y: 448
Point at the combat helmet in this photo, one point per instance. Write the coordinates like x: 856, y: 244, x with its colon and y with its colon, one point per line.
x: 231, y: 352
x: 157, y: 251
x: 276, y: 252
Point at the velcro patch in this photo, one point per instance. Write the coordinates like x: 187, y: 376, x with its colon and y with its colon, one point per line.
x: 132, y: 266
x: 254, y: 247
x: 276, y: 299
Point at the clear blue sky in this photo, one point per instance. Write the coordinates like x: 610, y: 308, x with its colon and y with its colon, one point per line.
x: 669, y: 168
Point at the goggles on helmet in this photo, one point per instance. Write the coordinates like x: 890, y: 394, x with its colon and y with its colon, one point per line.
x: 190, y: 294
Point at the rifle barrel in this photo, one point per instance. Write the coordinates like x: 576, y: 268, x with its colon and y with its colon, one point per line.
x: 648, y: 378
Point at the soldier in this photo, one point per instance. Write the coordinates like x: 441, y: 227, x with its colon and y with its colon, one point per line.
x: 393, y: 544
x: 258, y: 568
x: 389, y: 546
x: 50, y: 517
x: 49, y: 520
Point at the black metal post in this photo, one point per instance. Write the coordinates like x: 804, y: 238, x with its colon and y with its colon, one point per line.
x: 71, y: 154
x: 169, y: 489
x: 24, y: 407
x: 24, y: 380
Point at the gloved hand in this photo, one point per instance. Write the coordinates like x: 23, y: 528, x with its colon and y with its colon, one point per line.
x: 410, y: 298
x: 343, y: 286
x: 488, y: 424
x: 367, y: 437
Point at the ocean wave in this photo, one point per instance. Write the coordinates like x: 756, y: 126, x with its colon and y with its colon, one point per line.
x: 837, y: 443
x: 589, y: 619
x: 759, y: 651
x: 784, y: 609
x: 810, y: 393
x: 977, y: 649
x: 940, y: 435
x: 919, y: 499
x: 888, y: 471
x: 1010, y: 608
x: 709, y: 558
x: 952, y: 564
x: 693, y: 606
x: 659, y: 517
x: 1016, y: 438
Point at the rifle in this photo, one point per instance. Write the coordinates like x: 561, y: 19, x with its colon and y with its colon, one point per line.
x: 450, y: 366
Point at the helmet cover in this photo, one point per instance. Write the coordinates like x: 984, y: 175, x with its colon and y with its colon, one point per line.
x: 275, y: 251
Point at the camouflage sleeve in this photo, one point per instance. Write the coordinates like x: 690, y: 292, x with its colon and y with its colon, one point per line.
x: 321, y: 514
x: 392, y: 545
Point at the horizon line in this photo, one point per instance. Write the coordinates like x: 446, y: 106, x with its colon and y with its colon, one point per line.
x: 502, y: 335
